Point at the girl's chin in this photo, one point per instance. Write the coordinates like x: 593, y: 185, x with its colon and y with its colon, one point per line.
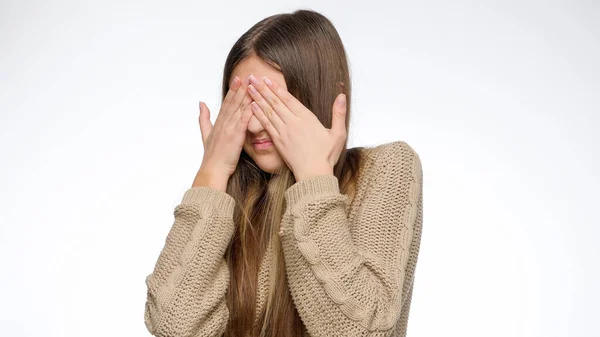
x: 272, y: 169
x: 268, y: 164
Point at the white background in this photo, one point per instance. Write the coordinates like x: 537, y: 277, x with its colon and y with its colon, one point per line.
x: 99, y: 140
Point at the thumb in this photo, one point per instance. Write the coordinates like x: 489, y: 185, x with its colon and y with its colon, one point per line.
x: 205, y: 124
x: 338, y: 118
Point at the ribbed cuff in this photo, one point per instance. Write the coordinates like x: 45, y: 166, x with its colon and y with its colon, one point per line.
x: 311, y: 187
x: 209, y: 197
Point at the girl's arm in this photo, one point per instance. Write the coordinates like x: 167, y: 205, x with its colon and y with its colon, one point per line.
x: 346, y: 271
x: 186, y: 291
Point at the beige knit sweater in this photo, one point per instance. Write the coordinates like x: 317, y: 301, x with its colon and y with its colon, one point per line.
x: 350, y: 264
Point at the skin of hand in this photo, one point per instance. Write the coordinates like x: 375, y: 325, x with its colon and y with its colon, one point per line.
x: 308, y: 148
x: 223, y: 142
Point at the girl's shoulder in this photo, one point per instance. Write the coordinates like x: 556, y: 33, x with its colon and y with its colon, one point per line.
x: 388, y: 156
x: 389, y: 168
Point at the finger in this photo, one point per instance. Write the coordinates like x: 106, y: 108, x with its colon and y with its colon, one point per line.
x: 266, y: 109
x: 293, y: 104
x: 242, y: 124
x: 239, y: 96
x: 243, y: 106
x: 233, y: 88
x: 338, y: 118
x: 273, y: 100
x: 205, y: 124
x: 266, y: 123
x: 228, y: 101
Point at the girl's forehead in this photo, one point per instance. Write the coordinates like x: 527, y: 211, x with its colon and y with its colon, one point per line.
x: 259, y: 69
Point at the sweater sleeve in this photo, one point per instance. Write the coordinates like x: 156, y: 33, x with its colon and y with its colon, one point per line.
x: 186, y: 291
x: 346, y: 274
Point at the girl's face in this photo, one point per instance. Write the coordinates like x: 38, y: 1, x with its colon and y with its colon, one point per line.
x: 264, y: 155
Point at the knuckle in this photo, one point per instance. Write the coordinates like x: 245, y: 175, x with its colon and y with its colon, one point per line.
x: 287, y: 100
x: 273, y: 100
x: 265, y: 110
x: 269, y: 112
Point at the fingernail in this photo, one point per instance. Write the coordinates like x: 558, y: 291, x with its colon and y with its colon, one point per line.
x: 253, y: 79
x: 267, y: 81
x: 341, y: 88
x: 252, y: 89
x: 342, y: 100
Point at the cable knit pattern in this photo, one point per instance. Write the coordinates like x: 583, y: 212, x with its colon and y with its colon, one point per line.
x: 350, y: 262
x: 186, y: 291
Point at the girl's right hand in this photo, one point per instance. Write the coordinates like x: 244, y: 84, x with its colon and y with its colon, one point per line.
x: 224, y: 141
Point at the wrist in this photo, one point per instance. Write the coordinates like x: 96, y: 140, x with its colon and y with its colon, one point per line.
x: 315, y: 171
x: 210, y: 178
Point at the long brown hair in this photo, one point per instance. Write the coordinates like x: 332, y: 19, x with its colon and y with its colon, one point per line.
x: 306, y: 48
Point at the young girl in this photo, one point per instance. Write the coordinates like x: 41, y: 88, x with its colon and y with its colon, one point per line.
x: 285, y: 231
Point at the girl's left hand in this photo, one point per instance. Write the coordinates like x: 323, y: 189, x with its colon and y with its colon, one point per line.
x: 307, y: 147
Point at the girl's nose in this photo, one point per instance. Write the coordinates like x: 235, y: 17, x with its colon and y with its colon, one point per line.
x: 254, y: 125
